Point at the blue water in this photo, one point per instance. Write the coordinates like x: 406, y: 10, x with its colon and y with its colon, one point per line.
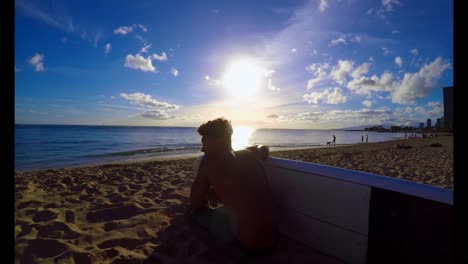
x: 56, y: 146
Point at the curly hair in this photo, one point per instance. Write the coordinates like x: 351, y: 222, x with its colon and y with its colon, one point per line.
x: 217, y: 128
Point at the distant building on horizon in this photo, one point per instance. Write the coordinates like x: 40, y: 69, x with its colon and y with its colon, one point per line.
x: 448, y: 107
x: 421, y: 125
x: 438, y: 123
x: 429, y: 124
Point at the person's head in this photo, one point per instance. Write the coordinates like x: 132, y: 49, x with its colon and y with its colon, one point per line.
x: 216, y: 135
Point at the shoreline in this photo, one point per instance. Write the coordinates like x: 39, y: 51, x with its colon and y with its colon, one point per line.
x: 342, y: 157
x: 166, y: 157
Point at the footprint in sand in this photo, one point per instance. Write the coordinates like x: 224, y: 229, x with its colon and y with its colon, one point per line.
x: 73, y: 201
x: 128, y: 243
x: 57, y: 230
x: 32, y: 203
x: 43, y: 248
x: 25, y: 230
x: 45, y: 215
x: 115, y: 213
x: 70, y: 216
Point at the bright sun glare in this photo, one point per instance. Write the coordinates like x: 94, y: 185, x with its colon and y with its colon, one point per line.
x: 241, y: 136
x: 243, y: 78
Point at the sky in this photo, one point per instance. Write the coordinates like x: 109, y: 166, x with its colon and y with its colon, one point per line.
x: 320, y: 64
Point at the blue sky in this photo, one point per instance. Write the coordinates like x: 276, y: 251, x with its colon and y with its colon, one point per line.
x: 265, y: 64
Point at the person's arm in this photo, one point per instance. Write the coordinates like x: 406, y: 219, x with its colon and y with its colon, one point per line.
x: 200, y: 187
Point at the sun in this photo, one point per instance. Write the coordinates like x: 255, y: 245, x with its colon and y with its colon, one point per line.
x: 243, y: 78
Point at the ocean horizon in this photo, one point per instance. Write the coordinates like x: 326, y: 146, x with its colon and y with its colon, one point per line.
x: 59, y: 146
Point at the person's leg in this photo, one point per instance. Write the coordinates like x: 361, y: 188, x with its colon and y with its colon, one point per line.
x: 217, y: 229
x: 216, y: 222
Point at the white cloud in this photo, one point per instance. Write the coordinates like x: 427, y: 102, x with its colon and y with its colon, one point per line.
x: 360, y: 70
x: 388, y: 5
x: 97, y: 37
x: 140, y: 38
x: 107, y: 48
x: 339, y: 74
x: 399, y: 61
x: 323, y: 5
x: 37, y: 112
x: 293, y: 50
x: 319, y: 70
x: 434, y: 104
x: 145, y: 48
x: 327, y: 96
x: 367, y: 103
x: 437, y: 109
x: 338, y: 41
x: 361, y: 116
x: 174, y: 72
x: 386, y: 50
x: 311, y: 116
x: 408, y: 110
x: 415, y: 52
x: 124, y: 30
x: 163, y: 57
x: 269, y: 72
x: 367, y: 115
x: 145, y: 100
x: 112, y: 97
x: 356, y: 39
x: 64, y: 23
x: 394, y: 32
x: 417, y: 85
x: 366, y: 85
x: 155, y: 109
x: 143, y: 28
x: 271, y: 86
x: 138, y: 62
x: 155, y: 114
x: 36, y: 61
x: 420, y: 110
x: 211, y: 81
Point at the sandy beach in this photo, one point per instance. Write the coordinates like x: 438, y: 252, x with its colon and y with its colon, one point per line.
x: 133, y: 212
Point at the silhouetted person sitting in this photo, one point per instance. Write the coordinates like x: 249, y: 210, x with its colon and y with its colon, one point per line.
x: 246, y: 223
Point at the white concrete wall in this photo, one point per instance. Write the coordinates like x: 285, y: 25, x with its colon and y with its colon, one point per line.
x: 328, y: 214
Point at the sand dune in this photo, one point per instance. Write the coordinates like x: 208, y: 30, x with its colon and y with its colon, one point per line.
x: 133, y: 212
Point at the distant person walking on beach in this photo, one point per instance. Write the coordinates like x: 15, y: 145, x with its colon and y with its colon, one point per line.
x: 334, y: 140
x: 362, y: 139
x: 367, y: 138
x: 246, y: 223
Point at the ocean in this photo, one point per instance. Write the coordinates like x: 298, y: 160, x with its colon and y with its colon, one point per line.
x: 57, y: 146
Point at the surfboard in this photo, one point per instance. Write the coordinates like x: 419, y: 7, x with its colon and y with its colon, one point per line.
x: 359, y: 217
